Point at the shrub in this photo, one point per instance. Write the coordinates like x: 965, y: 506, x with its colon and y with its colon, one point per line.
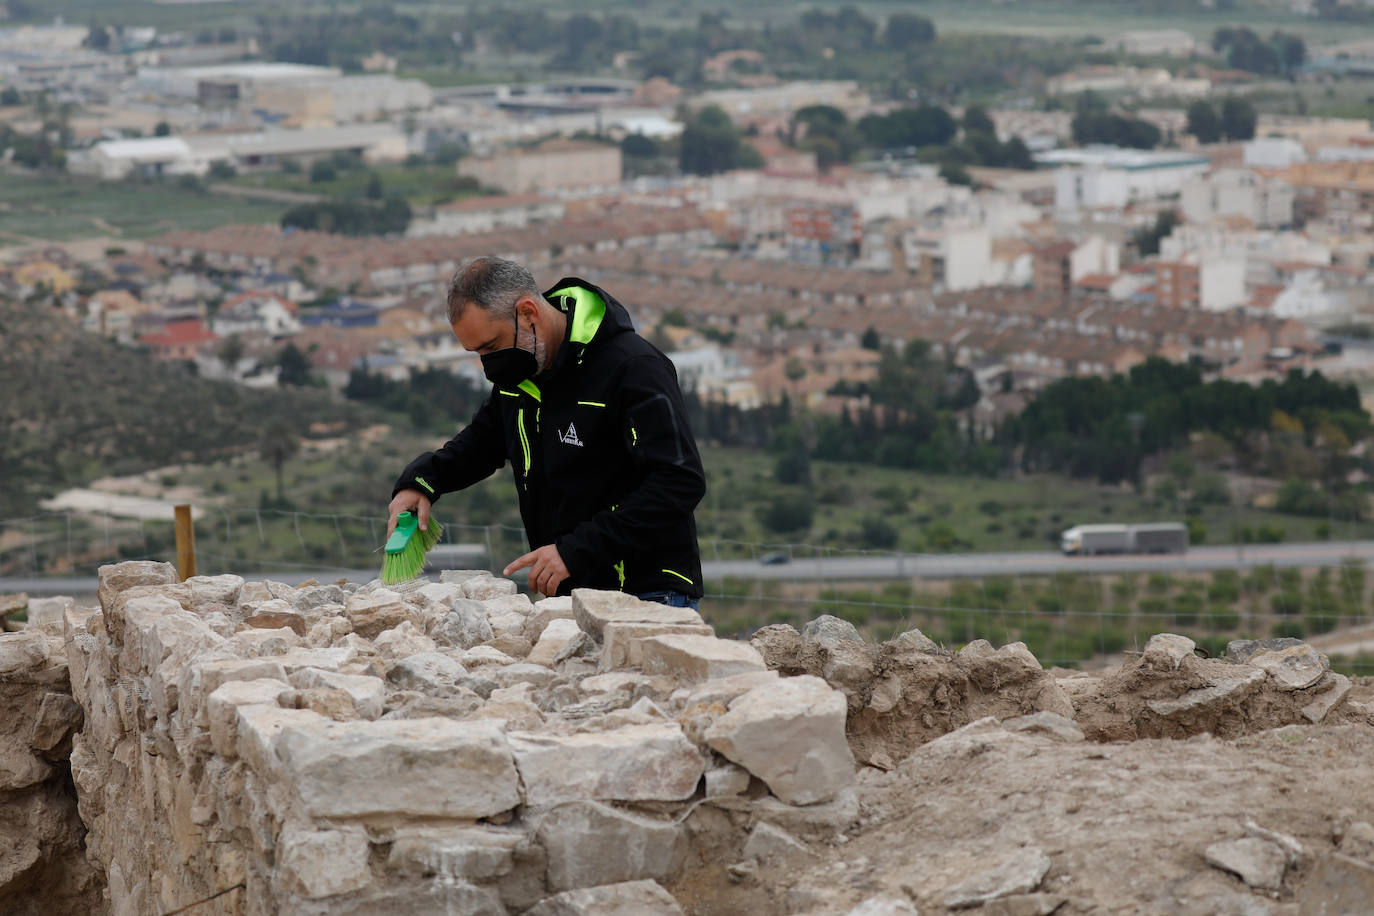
x: 1290, y: 629
x: 1260, y: 580
x: 1159, y: 583
x: 1287, y: 603
x: 1269, y: 534
x: 1187, y: 607
x: 1222, y: 619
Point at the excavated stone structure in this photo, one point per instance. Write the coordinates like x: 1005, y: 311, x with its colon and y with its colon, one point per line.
x: 239, y: 747
x: 446, y: 747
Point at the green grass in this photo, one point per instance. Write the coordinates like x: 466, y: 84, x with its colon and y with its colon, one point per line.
x: 421, y: 185
x: 66, y: 208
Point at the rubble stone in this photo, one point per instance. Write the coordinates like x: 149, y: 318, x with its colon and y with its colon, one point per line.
x: 622, y: 640
x: 552, y: 640
x: 324, y: 863
x: 1259, y: 862
x: 790, y: 735
x: 464, y: 626
x: 590, y: 844
x: 698, y: 658
x: 829, y: 631
x: 1019, y: 874
x: 373, y: 612
x: 638, y: 763
x: 409, y: 767
x: 768, y: 843
x: 632, y: 898
x: 594, y: 609
x: 429, y: 672
x: 482, y: 588
x: 1337, y: 886
x: 1292, y: 668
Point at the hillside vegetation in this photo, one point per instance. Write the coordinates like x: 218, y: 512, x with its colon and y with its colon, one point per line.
x: 77, y: 406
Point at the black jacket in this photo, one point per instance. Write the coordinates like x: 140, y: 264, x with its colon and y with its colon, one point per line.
x: 605, y: 464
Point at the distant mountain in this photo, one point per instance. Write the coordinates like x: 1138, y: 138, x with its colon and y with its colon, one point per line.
x: 75, y: 406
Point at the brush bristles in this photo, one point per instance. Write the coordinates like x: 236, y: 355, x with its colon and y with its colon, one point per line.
x: 398, y: 567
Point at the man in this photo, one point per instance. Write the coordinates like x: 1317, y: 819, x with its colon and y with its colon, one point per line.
x: 591, y: 418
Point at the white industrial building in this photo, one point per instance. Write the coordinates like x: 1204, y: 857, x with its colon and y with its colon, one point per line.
x: 225, y: 82
x: 193, y: 154
x: 1109, y: 177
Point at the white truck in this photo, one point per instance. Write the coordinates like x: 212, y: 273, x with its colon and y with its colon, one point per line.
x: 1091, y: 540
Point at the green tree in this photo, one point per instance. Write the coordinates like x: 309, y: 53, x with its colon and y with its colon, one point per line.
x: 278, y: 444
x: 323, y: 171
x: 1147, y: 241
x: 870, y: 339
x: 788, y: 514
x: 231, y: 351
x: 1238, y: 119
x: 638, y: 145
x: 976, y: 119
x: 222, y: 171
x: 293, y: 367
x: 1203, y: 122
x: 904, y: 31
x: 710, y: 143
x: 9, y: 97
x: 374, y: 187
x: 162, y: 129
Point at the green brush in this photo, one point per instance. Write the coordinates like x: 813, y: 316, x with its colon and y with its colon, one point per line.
x: 407, y: 546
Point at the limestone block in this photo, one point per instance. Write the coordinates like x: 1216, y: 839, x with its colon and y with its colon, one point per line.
x: 829, y: 631
x: 115, y: 578
x: 327, y: 631
x: 885, y: 905
x: 508, y: 604
x: 1294, y: 668
x: 418, y: 767
x: 199, y: 679
x: 631, y: 898
x: 515, y: 706
x: 260, y: 643
x: 546, y: 610
x: 49, y: 614
x: 478, y: 656
x: 916, y: 640
x: 1260, y: 863
x: 481, y: 588
x: 621, y: 641
x: 554, y: 637
x: 258, y: 726
x: 21, y: 652
x: 428, y: 672
x: 1241, y: 650
x: 1325, y: 701
x: 459, y: 576
x: 367, y: 693
x: 18, y: 766
x: 58, y: 715
x: 444, y: 594
x: 373, y: 612
x: 1222, y: 690
x: 1166, y: 651
x: 636, y: 763
x: 319, y: 597
x: 614, y: 682
x: 507, y: 623
x: 322, y: 863
x: 331, y: 659
x: 726, y: 780
x: 1019, y: 874
x: 139, y: 616
x: 725, y: 690
x: 790, y: 735
x: 464, y: 853
x: 590, y: 844
x: 521, y: 673
x: 698, y: 658
x: 464, y: 626
x: 274, y: 614
x: 594, y: 609
x: 437, y: 896
x: 178, y: 635
x: 403, y: 641
x: 223, y: 589
x: 769, y: 843
x: 221, y: 709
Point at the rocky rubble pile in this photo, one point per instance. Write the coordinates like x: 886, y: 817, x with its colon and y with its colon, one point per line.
x: 446, y: 747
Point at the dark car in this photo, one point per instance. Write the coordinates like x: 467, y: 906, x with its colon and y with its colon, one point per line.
x: 774, y: 559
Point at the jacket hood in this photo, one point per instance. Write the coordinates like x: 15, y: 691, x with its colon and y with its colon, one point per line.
x: 593, y: 314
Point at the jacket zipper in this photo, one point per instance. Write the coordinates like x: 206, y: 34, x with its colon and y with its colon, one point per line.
x: 524, y: 443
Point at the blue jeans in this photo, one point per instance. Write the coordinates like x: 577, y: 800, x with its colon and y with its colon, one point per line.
x: 672, y: 599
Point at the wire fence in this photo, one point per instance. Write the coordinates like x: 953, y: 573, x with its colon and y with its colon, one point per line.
x: 1067, y: 616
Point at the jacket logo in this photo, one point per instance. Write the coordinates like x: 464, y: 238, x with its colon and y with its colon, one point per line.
x: 570, y: 437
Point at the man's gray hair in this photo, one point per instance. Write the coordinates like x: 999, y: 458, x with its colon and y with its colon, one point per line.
x: 492, y: 284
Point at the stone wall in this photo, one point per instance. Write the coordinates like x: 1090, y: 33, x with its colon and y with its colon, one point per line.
x: 43, y: 868
x: 448, y: 747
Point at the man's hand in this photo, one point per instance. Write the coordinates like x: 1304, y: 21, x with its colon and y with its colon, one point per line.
x: 547, y: 571
x: 408, y: 501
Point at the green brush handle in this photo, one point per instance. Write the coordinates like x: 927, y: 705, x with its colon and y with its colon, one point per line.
x: 407, y: 523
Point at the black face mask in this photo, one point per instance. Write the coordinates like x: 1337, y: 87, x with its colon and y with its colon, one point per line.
x: 510, y: 366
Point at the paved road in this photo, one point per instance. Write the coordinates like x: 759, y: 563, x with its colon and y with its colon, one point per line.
x: 929, y: 566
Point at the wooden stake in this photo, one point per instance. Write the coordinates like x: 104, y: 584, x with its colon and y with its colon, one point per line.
x: 186, y: 543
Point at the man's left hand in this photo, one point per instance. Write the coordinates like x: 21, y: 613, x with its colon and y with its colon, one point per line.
x: 547, y: 571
